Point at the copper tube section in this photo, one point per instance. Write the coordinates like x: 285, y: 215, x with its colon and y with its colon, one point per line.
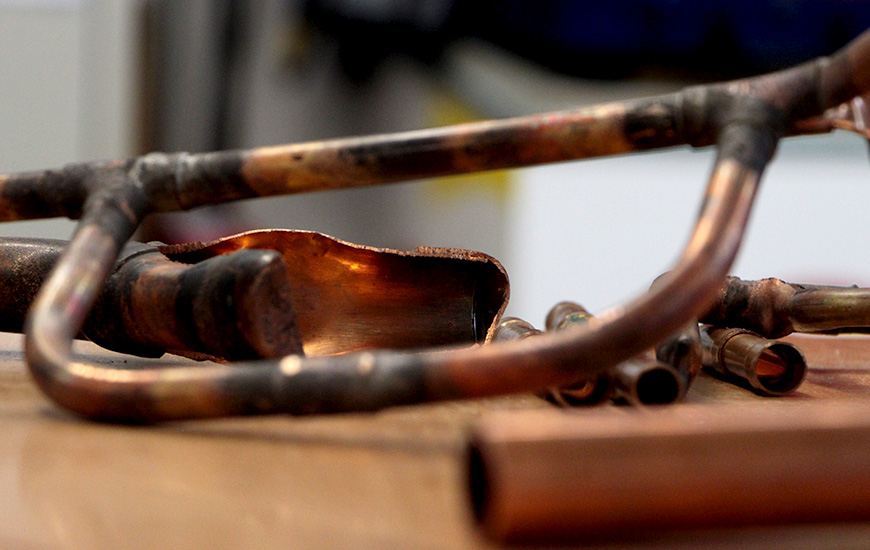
x: 594, y: 391
x: 646, y: 381
x: 775, y: 308
x: 767, y: 367
x: 744, y: 119
x: 641, y: 380
x: 548, y: 477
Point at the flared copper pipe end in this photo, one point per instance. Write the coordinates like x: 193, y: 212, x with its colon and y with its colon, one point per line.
x: 767, y: 367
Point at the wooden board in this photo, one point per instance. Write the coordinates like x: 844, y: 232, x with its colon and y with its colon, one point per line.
x: 388, y: 480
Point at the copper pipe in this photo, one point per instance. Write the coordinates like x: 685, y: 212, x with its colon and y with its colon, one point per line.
x: 744, y: 119
x: 775, y: 308
x: 643, y: 380
x: 591, y: 390
x: 584, y: 392
x: 540, y: 476
x: 266, y: 294
x: 767, y: 367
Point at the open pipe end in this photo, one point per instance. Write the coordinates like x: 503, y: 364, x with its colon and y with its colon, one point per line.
x: 767, y: 367
x: 779, y: 369
x: 659, y: 386
x: 478, y: 483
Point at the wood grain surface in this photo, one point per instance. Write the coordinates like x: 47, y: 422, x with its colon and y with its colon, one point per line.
x: 394, y: 479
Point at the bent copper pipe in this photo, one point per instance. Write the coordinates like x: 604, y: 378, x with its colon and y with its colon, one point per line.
x: 745, y: 119
x: 767, y: 367
x: 586, y: 392
x: 775, y: 308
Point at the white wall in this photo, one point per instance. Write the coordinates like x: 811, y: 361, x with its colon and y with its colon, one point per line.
x: 67, y: 83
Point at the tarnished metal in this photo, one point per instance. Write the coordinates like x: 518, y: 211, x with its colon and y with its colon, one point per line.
x: 744, y: 119
x: 267, y: 294
x: 767, y: 367
x: 591, y: 390
x: 774, y: 308
x: 641, y: 380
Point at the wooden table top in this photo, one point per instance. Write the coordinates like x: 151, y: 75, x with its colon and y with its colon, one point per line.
x: 394, y: 479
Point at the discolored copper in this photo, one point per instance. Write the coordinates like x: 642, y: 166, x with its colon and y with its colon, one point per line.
x: 351, y: 298
x: 744, y: 119
x: 774, y: 308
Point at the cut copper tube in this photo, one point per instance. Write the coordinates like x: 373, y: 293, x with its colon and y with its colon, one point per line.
x: 643, y: 380
x: 774, y: 308
x: 767, y: 367
x: 745, y: 119
x: 591, y: 390
x: 587, y: 392
x: 546, y: 477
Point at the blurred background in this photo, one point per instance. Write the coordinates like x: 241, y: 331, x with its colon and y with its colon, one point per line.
x: 89, y: 79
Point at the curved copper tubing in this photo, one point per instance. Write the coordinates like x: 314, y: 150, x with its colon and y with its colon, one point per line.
x: 744, y: 118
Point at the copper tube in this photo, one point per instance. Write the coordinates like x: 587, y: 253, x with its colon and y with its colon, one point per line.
x: 591, y: 390
x: 644, y: 380
x: 682, y: 351
x: 767, y: 367
x: 775, y: 308
x: 513, y: 328
x: 641, y: 380
x: 745, y: 119
x: 547, y: 477
x: 263, y: 294
x: 584, y: 392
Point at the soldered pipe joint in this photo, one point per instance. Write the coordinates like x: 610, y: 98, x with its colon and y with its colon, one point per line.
x: 768, y: 367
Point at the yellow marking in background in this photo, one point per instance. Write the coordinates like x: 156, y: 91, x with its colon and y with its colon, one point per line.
x: 445, y: 109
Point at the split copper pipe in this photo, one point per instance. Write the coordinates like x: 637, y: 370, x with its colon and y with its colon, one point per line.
x: 744, y: 119
x: 774, y: 308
